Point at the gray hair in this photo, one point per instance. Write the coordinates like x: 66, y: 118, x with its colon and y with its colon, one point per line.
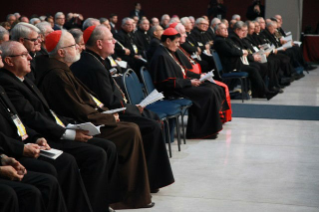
x: 7, y: 48
x: 191, y: 18
x: 184, y: 20
x: 22, y: 30
x: 58, y: 14
x: 178, y: 27
x: 89, y: 22
x: 60, y: 44
x: 216, y: 28
x: 97, y: 34
x: 235, y: 17
x: 102, y: 20
x: 215, y: 21
x: 124, y: 20
x: 199, y: 20
x: 77, y: 34
x: 259, y: 18
x: 42, y: 17
x: 34, y: 20
x: 239, y: 25
x: 270, y: 23
x: 42, y: 26
x: 8, y: 16
x: 3, y: 32
x: 173, y: 20
x: 163, y: 16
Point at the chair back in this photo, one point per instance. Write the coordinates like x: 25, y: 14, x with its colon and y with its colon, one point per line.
x: 147, y: 80
x: 133, y: 87
x: 218, y: 63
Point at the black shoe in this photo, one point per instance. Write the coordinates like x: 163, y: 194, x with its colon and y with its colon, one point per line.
x: 299, y: 76
x: 270, y: 94
x: 285, y: 81
x: 310, y: 67
x: 277, y: 89
x: 154, y: 191
x: 151, y: 205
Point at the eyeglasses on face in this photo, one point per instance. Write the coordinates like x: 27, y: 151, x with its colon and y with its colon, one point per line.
x: 32, y: 40
x: 24, y: 54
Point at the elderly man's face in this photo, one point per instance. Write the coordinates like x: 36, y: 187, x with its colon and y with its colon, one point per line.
x: 203, y: 25
x: 12, y: 19
x: 71, y: 49
x: 241, y: 32
x: 128, y: 26
x: 19, y: 61
x: 4, y: 38
x: 60, y: 20
x: 31, y: 41
x: 262, y: 24
x: 251, y: 28
x: 1, y: 63
x: 145, y: 25
x: 183, y: 34
x: 155, y: 22
x: 222, y: 31
x: 271, y: 29
x: 257, y: 27
x: 108, y: 43
x: 165, y: 21
x: 188, y: 25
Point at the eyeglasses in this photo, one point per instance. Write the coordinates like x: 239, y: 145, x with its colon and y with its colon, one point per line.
x: 69, y: 46
x: 24, y: 54
x: 32, y: 40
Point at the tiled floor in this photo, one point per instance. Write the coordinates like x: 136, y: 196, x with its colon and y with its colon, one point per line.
x: 263, y: 165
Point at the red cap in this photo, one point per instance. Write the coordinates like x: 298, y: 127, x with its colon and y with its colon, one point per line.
x: 52, y: 39
x: 173, y: 25
x: 87, y: 33
x: 170, y: 31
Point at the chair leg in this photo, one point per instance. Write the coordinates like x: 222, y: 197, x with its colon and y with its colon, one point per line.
x: 167, y: 137
x: 242, y: 90
x: 178, y: 134
x: 183, y: 128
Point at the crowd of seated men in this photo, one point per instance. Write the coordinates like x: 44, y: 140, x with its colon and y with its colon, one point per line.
x: 59, y: 70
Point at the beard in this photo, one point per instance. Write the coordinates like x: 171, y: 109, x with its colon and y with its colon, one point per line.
x: 72, y: 59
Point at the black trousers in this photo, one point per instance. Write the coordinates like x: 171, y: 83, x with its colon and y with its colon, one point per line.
x: 37, y: 192
x: 65, y: 169
x: 97, y: 161
x: 257, y: 84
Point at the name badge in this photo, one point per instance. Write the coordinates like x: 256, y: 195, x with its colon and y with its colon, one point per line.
x: 200, y: 44
x: 97, y: 102
x: 57, y: 120
x: 20, y: 127
x: 135, y: 49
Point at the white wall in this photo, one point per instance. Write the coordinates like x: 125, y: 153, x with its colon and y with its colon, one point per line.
x: 291, y: 12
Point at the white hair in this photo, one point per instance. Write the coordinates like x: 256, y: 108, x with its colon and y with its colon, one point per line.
x: 22, y: 30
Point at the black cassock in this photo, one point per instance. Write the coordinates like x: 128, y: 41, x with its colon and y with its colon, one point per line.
x: 94, y: 73
x: 167, y: 73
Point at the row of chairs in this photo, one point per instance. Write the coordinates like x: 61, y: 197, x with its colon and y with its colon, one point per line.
x: 167, y: 110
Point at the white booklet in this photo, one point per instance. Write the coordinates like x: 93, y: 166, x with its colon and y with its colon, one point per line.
x: 297, y: 43
x: 285, y: 46
x: 244, y: 60
x: 51, y: 153
x: 288, y: 33
x: 154, y: 96
x: 122, y: 63
x: 207, y: 76
x: 287, y: 38
x: 88, y: 126
x: 114, y: 110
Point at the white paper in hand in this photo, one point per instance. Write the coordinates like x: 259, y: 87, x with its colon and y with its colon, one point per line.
x: 207, y: 76
x: 51, y: 153
x: 114, y: 110
x: 88, y: 126
x: 154, y: 96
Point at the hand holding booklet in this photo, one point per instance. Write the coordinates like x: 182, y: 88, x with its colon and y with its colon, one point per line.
x: 51, y: 153
x: 154, y: 96
x: 88, y: 126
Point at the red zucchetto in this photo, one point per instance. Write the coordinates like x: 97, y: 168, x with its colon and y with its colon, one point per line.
x: 173, y: 25
x: 170, y: 32
x: 87, y: 33
x: 52, y: 39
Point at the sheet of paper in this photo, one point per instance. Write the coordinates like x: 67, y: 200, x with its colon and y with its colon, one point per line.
x: 51, y: 153
x: 154, y: 96
x: 297, y: 43
x: 208, y: 76
x: 122, y: 63
x: 287, y: 38
x: 88, y: 126
x: 114, y: 110
x: 244, y: 60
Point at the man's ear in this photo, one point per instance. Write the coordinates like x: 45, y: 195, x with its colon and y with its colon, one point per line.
x: 99, y: 44
x: 8, y: 61
x: 61, y: 53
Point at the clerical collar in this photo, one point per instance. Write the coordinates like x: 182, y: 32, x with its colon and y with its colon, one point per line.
x: 21, y: 79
